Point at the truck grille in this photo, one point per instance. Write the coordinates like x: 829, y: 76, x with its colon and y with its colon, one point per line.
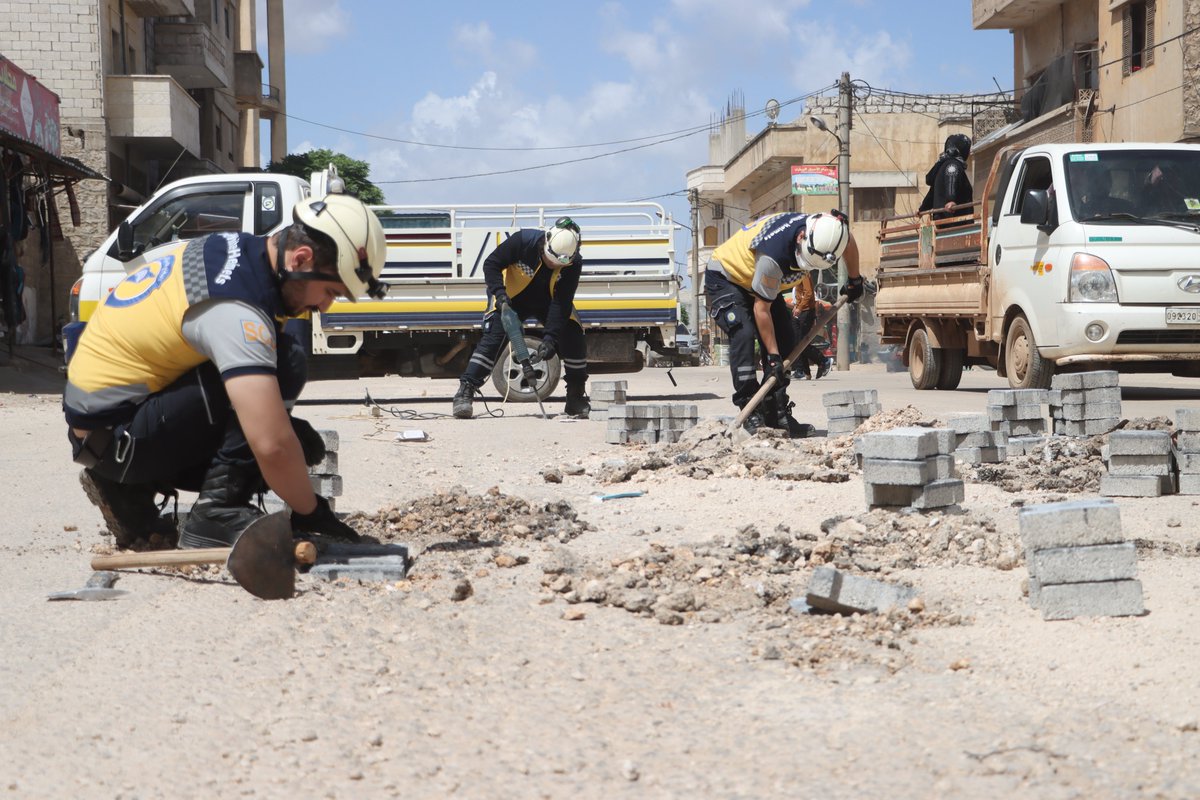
x: 1189, y: 336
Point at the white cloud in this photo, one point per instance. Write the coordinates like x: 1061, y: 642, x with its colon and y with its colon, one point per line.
x: 433, y: 113
x: 478, y: 37
x: 313, y: 26
x: 875, y: 57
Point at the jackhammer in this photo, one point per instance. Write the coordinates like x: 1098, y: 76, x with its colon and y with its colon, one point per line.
x: 520, y: 351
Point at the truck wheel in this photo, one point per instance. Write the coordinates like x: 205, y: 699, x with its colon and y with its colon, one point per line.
x: 510, y: 381
x: 952, y: 368
x: 1025, y: 366
x: 924, y: 361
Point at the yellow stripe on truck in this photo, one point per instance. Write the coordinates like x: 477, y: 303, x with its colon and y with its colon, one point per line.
x: 403, y: 306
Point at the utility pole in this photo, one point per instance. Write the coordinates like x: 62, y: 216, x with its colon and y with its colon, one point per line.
x: 694, y: 199
x: 843, y: 137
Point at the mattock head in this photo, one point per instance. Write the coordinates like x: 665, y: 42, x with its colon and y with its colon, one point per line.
x: 263, y: 559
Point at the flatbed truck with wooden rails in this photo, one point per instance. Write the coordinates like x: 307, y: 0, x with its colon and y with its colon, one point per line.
x: 1077, y: 257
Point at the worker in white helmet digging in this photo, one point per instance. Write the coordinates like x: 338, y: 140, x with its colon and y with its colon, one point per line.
x: 185, y: 379
x: 744, y: 281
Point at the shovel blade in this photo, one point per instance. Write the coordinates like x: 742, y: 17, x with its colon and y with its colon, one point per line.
x: 263, y: 560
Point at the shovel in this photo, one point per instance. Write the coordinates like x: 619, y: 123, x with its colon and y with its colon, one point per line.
x: 818, y: 325
x: 262, y: 560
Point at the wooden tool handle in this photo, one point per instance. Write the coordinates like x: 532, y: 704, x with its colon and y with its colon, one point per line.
x: 769, y: 384
x: 306, y: 553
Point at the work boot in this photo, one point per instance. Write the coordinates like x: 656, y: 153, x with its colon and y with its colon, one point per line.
x: 128, y: 509
x: 754, y: 422
x: 823, y: 367
x: 223, y: 510
x: 578, y: 405
x: 463, y: 400
x: 778, y: 413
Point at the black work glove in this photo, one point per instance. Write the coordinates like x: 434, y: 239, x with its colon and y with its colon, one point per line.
x: 853, y: 288
x: 775, y: 368
x: 310, y: 442
x: 545, y: 351
x: 502, y: 300
x: 322, y: 520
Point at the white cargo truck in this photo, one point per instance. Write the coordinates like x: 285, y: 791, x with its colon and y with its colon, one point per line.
x: 430, y: 320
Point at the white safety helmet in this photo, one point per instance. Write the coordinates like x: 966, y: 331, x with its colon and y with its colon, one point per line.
x: 358, y: 236
x: 562, y: 241
x: 824, y: 240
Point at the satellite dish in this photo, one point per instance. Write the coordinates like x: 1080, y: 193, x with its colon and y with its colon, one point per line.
x: 772, y: 110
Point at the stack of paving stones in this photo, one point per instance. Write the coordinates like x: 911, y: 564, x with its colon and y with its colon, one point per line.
x: 1079, y: 562
x: 606, y: 394
x: 1187, y: 449
x: 910, y: 467
x: 323, y: 476
x: 847, y: 410
x: 1139, y: 464
x: 1085, y: 403
x: 649, y: 423
x: 1018, y: 414
x: 974, y: 440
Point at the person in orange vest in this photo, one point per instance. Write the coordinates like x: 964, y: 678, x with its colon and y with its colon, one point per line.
x: 804, y: 315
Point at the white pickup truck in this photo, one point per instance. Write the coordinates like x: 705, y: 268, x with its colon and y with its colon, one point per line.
x: 431, y: 318
x: 1078, y: 257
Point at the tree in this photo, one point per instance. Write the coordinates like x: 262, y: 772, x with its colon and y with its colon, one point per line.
x: 350, y: 170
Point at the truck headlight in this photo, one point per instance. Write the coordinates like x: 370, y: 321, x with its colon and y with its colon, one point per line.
x: 73, y: 304
x: 1091, y: 280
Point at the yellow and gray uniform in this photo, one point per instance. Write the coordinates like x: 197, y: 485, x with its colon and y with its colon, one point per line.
x: 210, y: 299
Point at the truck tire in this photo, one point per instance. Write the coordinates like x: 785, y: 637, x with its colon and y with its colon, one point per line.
x: 924, y: 361
x: 510, y: 382
x: 952, y: 368
x: 1024, y: 364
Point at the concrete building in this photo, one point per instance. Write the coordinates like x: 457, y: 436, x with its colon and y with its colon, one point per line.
x: 1098, y: 70
x: 150, y: 91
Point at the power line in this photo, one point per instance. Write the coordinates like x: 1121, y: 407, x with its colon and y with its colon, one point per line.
x: 690, y: 130
x: 682, y: 135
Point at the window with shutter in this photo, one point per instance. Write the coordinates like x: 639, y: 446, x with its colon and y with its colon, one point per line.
x: 1126, y: 41
x: 1137, y: 36
x: 1148, y: 50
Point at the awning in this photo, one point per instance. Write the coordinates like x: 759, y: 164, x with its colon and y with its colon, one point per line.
x: 57, y: 166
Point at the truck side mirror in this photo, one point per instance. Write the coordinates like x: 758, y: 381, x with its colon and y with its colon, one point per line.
x: 1039, y: 210
x: 125, y: 246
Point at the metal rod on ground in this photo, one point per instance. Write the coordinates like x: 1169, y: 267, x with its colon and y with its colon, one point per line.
x: 819, y: 324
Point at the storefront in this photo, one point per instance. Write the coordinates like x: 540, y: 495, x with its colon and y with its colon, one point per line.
x: 35, y: 181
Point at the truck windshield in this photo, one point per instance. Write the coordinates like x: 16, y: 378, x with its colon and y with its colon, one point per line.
x: 1123, y: 187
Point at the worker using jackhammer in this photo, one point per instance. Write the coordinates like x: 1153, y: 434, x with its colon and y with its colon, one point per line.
x: 536, y: 272
x: 185, y: 379
x: 744, y: 280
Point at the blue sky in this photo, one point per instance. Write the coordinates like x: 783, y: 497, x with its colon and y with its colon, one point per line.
x: 558, y: 75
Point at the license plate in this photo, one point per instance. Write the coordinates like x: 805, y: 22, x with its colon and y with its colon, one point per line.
x: 1183, y: 316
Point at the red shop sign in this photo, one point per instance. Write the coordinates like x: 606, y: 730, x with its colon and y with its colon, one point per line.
x: 28, y: 110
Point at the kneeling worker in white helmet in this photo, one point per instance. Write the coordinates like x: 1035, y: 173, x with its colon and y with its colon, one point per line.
x: 744, y: 280
x: 184, y: 378
x: 536, y: 272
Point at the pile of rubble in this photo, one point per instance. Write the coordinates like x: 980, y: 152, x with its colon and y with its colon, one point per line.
x: 455, y: 515
x: 1065, y: 464
x: 883, y: 540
